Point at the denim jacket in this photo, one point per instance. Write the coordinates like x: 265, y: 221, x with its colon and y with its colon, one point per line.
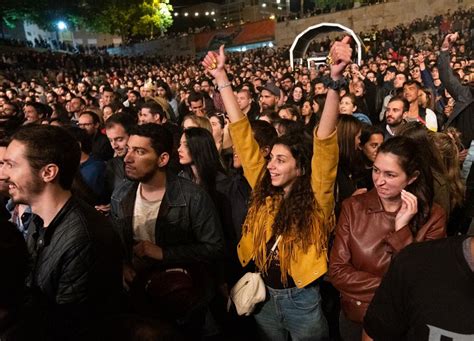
x: 188, y: 228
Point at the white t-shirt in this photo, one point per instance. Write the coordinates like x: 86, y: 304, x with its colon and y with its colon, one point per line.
x: 144, y: 217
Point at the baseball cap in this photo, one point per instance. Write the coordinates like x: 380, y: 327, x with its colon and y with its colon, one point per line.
x: 270, y: 87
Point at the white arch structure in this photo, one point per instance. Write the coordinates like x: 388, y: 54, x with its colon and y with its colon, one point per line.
x: 302, y: 40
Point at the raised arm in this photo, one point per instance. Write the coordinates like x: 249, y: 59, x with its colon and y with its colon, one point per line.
x: 215, y: 65
x: 325, y: 148
x: 340, y: 56
x: 245, y: 144
x: 449, y: 80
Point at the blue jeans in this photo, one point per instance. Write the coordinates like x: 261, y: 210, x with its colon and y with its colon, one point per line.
x: 292, y: 312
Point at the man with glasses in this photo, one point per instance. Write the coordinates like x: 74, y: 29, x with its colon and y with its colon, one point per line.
x: 90, y: 122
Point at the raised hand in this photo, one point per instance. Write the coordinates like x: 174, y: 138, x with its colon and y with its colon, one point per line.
x: 407, y: 211
x: 449, y: 41
x: 340, y: 55
x: 215, y: 62
x: 420, y: 59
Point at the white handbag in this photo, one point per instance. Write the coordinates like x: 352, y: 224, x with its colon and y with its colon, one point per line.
x: 250, y: 289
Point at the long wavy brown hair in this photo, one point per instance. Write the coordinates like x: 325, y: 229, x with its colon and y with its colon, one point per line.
x: 299, y: 217
x: 449, y: 155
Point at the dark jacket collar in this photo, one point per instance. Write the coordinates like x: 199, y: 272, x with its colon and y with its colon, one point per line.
x: 38, y: 223
x: 173, y: 197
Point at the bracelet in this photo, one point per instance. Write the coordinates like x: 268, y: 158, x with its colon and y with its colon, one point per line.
x: 223, y: 86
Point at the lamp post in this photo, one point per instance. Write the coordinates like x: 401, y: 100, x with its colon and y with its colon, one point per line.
x: 61, y: 26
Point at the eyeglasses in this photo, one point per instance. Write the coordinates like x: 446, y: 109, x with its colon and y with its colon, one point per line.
x: 83, y: 125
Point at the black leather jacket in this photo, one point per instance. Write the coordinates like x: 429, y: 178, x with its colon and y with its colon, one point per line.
x: 76, y: 273
x: 188, y: 228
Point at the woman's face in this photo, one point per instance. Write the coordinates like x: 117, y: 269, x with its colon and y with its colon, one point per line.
x: 217, y: 131
x: 185, y: 157
x: 388, y: 176
x: 315, y: 106
x: 282, y: 167
x: 306, y: 109
x: 371, y: 147
x: 346, y: 106
x: 422, y: 98
x: 297, y: 93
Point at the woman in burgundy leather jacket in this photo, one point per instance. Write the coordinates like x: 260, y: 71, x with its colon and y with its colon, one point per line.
x: 374, y: 226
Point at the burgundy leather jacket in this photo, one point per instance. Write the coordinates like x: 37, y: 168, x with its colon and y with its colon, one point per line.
x: 364, y: 245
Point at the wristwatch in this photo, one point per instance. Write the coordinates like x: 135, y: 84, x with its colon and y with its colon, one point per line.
x: 335, y: 85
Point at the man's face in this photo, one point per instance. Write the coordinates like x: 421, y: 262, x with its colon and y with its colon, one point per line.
x: 86, y: 122
x: 304, y: 79
x: 132, y: 98
x: 3, y: 182
x: 24, y: 183
x: 118, y: 139
x: 146, y: 116
x: 141, y: 160
x: 50, y: 98
x: 161, y: 92
x: 399, y: 81
x: 75, y: 105
x: 287, y: 84
x: 8, y: 110
x: 31, y: 115
x: 410, y: 92
x: 81, y: 87
x: 107, y: 97
x: 394, y: 113
x: 320, y: 89
x: 197, y: 108
x: 268, y: 100
x: 243, y: 100
x: 206, y: 87
x: 415, y: 73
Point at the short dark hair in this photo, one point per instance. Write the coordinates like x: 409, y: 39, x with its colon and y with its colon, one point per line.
x: 126, y: 120
x: 368, y: 131
x: 81, y: 100
x: 406, y: 104
x: 195, y: 96
x: 160, y: 137
x: 42, y: 110
x: 95, y: 117
x: 154, y: 108
x: 47, y: 144
x: 108, y: 89
x: 264, y: 133
x: 413, y: 82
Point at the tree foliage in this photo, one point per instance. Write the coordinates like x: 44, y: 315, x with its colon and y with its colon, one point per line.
x: 124, y: 17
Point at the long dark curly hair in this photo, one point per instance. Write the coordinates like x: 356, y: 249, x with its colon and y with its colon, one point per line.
x: 297, y: 210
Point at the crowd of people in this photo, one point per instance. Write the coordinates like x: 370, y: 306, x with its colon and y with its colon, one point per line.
x: 135, y: 193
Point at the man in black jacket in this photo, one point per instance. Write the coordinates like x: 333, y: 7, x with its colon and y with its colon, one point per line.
x: 76, y: 276
x: 462, y: 117
x: 165, y: 222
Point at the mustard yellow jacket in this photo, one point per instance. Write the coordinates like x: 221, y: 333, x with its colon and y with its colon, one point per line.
x: 305, y: 267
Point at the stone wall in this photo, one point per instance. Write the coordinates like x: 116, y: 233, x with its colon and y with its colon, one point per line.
x: 383, y: 15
